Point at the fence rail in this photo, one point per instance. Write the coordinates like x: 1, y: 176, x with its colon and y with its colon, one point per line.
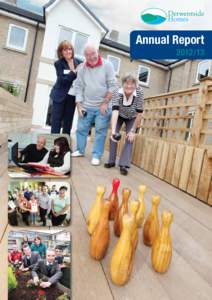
x: 175, y: 139
x: 182, y: 116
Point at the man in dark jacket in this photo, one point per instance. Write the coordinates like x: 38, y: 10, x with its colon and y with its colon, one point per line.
x: 48, y: 269
x: 34, y: 152
x: 29, y: 259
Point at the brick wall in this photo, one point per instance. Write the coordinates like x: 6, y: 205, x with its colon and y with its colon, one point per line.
x: 15, y: 115
x: 158, y: 77
x: 14, y: 64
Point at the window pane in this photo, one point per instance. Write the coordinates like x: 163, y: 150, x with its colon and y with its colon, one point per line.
x: 143, y: 74
x: 79, y: 44
x: 115, y: 62
x: 203, y: 69
x: 17, y: 37
x: 65, y: 34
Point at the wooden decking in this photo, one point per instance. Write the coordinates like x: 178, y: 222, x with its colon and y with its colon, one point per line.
x: 190, y: 273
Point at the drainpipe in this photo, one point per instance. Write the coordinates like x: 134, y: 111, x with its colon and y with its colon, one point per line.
x: 170, y: 77
x: 31, y: 62
x: 166, y: 101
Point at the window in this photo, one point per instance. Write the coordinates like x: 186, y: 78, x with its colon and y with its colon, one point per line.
x: 17, y: 37
x: 115, y: 61
x: 77, y: 39
x: 143, y: 75
x: 79, y: 44
x: 203, y: 69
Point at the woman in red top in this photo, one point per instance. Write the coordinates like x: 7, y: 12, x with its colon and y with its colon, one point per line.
x: 15, y: 257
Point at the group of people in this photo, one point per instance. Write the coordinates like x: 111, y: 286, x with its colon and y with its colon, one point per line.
x: 43, y: 203
x: 58, y: 158
x: 45, y: 264
x: 91, y: 86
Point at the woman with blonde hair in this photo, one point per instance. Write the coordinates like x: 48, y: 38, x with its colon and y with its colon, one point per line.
x: 63, y: 102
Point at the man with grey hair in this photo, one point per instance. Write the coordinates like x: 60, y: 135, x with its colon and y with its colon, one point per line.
x: 34, y: 152
x: 93, y: 88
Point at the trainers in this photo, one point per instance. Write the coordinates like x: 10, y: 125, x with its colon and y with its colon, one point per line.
x: 109, y: 165
x: 76, y: 154
x: 95, y: 161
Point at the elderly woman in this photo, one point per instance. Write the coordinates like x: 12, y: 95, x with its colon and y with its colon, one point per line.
x: 127, y: 105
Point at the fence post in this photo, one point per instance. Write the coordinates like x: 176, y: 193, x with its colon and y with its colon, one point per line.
x: 198, y: 116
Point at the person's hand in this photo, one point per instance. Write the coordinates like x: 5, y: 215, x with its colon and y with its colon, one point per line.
x: 112, y: 139
x: 103, y: 108
x: 131, y: 136
x: 80, y: 110
x: 36, y: 280
x: 78, y: 66
x: 45, y: 285
x: 48, y: 168
x: 24, y: 269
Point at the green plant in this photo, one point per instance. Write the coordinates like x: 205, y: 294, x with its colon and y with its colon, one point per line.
x: 12, y: 282
x: 63, y: 297
x: 11, y: 88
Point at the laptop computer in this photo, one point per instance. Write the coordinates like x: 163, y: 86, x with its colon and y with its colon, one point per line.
x: 25, y: 166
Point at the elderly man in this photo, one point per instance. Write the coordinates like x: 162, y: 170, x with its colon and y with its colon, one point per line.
x: 93, y: 88
x: 29, y: 259
x: 48, y: 269
x: 34, y: 152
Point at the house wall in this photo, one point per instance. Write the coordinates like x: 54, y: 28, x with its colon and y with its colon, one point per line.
x: 68, y: 14
x: 15, y: 64
x: 184, y: 75
x: 158, y: 77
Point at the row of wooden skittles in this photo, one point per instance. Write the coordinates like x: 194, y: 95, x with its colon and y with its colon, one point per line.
x: 128, y: 217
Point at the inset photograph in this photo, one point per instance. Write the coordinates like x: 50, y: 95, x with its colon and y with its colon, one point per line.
x: 39, y: 155
x: 39, y: 265
x: 39, y: 203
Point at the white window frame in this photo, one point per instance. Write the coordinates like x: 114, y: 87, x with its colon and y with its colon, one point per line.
x: 197, y: 71
x: 119, y: 62
x: 148, y: 77
x: 8, y: 45
x: 75, y: 32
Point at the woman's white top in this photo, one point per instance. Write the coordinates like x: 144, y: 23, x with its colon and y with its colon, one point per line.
x: 65, y: 168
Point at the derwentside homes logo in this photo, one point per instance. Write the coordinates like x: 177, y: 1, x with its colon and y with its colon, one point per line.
x: 155, y: 16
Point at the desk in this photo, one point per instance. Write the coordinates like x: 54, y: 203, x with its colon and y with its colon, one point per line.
x: 18, y: 172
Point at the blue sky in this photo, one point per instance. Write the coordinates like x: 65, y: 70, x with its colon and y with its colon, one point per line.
x: 124, y: 15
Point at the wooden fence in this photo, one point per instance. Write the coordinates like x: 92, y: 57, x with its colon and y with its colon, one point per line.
x: 175, y: 139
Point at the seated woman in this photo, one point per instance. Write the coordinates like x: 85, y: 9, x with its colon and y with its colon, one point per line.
x: 59, y: 159
x: 127, y: 108
x: 60, y: 207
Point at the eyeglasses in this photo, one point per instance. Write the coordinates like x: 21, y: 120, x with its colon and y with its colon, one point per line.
x: 67, y: 49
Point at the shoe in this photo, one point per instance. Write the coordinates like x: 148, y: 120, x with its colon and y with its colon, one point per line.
x: 95, y: 161
x: 123, y: 171
x: 76, y: 154
x: 109, y: 165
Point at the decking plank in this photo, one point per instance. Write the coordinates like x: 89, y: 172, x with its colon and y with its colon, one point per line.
x: 185, y: 241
